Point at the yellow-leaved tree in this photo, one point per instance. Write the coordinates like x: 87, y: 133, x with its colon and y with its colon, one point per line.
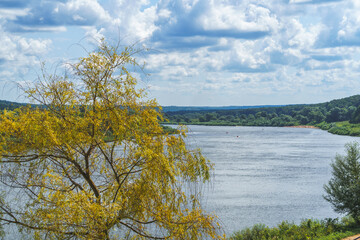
x: 94, y: 162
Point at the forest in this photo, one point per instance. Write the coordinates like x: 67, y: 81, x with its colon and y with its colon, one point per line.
x: 340, y: 116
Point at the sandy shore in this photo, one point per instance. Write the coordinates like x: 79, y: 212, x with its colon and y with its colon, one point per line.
x: 302, y: 126
x: 352, y: 237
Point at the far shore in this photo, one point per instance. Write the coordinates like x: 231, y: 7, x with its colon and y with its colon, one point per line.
x: 302, y: 126
x: 227, y: 125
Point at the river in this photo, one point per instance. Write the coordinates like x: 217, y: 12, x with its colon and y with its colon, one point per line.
x: 267, y: 174
x: 264, y: 174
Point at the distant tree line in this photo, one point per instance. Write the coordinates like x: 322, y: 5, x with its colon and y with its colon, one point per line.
x: 9, y: 105
x: 346, y: 109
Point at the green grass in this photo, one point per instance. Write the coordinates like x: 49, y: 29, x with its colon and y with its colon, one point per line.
x: 341, y: 128
x: 329, y: 229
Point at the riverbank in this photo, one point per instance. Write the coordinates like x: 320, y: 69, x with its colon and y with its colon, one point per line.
x: 328, y: 229
x: 303, y: 126
x: 339, y: 128
x: 352, y: 237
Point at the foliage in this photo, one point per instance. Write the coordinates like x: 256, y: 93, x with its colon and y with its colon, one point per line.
x: 9, y: 105
x: 210, y: 108
x: 355, y: 118
x: 328, y: 229
x: 341, y: 128
x: 343, y: 190
x: 291, y: 115
x: 95, y: 163
x: 326, y: 126
x: 170, y: 130
x: 341, y: 116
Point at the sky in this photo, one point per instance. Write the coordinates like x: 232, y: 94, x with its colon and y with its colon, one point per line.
x: 203, y: 52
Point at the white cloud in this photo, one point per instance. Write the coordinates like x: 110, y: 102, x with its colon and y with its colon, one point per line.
x: 224, y: 47
x: 19, y: 56
x: 15, y: 48
x: 349, y: 27
x: 299, y: 37
x: 12, y: 14
x: 93, y: 35
x: 33, y: 46
x: 129, y: 20
x: 55, y: 15
x: 229, y: 17
x: 83, y: 10
x: 43, y: 28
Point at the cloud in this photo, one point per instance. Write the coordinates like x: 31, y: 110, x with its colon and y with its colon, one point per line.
x: 19, y: 54
x: 93, y: 35
x: 47, y: 15
x: 178, y: 43
x: 12, y: 13
x: 20, y: 57
x: 341, y: 25
x: 313, y: 1
x: 211, y: 19
x: 277, y: 47
x: 229, y: 47
x: 131, y: 21
x: 327, y: 58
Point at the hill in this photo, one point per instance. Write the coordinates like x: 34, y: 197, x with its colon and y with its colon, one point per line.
x: 336, y: 115
x: 340, y: 116
x: 10, y: 105
x: 207, y: 108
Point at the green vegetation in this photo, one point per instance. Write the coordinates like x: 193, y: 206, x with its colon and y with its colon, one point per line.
x: 205, y: 108
x: 340, y: 116
x: 341, y: 128
x: 170, y: 130
x: 343, y: 190
x: 93, y: 162
x: 328, y: 229
x: 9, y: 105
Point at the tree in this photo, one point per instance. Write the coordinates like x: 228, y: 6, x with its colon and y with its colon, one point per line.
x: 316, y: 116
x: 343, y: 190
x: 336, y: 114
x: 94, y: 163
x: 210, y: 116
x: 355, y: 118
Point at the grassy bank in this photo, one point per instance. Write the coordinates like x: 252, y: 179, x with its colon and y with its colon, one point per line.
x: 329, y: 229
x: 341, y: 128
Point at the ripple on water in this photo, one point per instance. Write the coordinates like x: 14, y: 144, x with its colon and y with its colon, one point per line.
x: 267, y: 175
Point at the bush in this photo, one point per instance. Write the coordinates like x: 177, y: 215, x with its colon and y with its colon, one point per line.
x: 343, y: 190
x: 339, y: 130
x: 328, y: 229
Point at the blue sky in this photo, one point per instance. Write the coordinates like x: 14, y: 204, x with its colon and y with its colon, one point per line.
x: 204, y: 52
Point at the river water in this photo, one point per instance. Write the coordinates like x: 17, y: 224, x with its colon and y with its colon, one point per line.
x: 264, y: 175
x: 267, y: 174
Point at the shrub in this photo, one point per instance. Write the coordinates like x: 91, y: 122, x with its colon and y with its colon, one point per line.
x: 343, y: 190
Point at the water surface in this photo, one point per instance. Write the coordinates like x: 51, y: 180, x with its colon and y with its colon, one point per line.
x: 267, y: 175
